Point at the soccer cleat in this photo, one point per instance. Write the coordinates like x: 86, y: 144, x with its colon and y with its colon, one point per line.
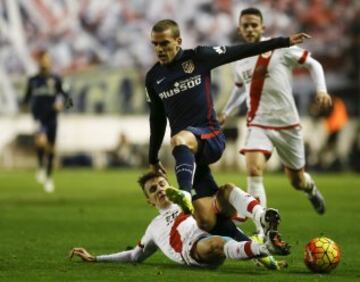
x: 271, y: 263
x: 41, y: 176
x: 276, y: 245
x: 316, y: 199
x: 270, y: 220
x: 178, y: 197
x: 268, y: 261
x: 49, y: 186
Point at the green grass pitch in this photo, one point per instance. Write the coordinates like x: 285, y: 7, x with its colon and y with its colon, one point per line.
x: 105, y: 212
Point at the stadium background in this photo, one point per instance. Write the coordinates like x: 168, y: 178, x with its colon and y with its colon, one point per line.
x: 102, y: 49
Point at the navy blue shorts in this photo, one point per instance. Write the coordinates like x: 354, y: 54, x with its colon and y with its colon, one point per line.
x: 49, y: 127
x: 211, y: 144
x: 204, y: 184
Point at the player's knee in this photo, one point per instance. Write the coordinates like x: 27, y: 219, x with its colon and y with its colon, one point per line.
x: 255, y: 170
x: 41, y: 140
x: 177, y: 141
x: 216, y: 247
x: 224, y: 191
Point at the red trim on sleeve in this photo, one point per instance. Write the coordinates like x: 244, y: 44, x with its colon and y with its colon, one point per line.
x: 210, y: 135
x: 175, y: 238
x: 252, y: 205
x: 265, y: 152
x: 303, y: 57
x: 257, y: 84
x: 247, y: 249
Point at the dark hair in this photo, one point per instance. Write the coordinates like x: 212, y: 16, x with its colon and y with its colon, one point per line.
x: 166, y: 24
x: 148, y: 176
x: 252, y: 11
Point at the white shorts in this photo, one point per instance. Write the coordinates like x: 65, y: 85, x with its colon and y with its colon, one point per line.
x: 188, y: 245
x: 289, y: 144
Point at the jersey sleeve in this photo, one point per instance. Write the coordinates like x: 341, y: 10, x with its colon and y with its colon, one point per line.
x: 144, y: 249
x: 215, y: 56
x: 296, y: 56
x: 157, y: 121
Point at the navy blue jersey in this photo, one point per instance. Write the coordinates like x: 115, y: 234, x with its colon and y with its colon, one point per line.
x: 42, y: 92
x: 180, y: 91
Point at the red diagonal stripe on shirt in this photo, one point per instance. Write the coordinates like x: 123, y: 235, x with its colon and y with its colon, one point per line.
x: 257, y: 84
x: 175, y: 238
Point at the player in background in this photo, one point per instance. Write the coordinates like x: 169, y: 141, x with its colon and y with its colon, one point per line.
x: 46, y: 97
x: 177, y: 235
x: 178, y: 89
x: 272, y: 119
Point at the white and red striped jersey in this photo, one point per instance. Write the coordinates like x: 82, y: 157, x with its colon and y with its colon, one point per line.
x: 267, y: 81
x: 174, y: 233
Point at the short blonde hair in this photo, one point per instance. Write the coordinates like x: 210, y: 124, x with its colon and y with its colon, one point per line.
x: 166, y: 24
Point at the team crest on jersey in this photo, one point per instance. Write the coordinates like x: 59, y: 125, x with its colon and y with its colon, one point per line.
x: 188, y: 66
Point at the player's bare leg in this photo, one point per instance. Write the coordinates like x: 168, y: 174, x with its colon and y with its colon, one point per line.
x: 255, y: 165
x: 213, y: 250
x: 301, y: 180
x: 204, y: 213
x: 232, y: 200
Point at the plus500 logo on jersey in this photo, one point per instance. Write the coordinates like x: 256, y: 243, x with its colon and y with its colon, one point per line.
x: 181, y: 87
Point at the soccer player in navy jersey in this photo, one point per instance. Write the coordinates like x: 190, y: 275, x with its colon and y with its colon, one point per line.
x: 178, y: 89
x: 46, y: 97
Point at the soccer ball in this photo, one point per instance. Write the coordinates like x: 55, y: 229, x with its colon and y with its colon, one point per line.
x: 322, y: 255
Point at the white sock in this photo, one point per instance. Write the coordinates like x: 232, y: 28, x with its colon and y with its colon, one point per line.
x: 243, y: 250
x: 247, y: 206
x: 255, y: 187
x: 309, y: 182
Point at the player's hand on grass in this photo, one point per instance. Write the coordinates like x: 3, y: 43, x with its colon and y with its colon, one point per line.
x: 158, y: 167
x: 298, y: 38
x: 83, y: 254
x: 323, y: 100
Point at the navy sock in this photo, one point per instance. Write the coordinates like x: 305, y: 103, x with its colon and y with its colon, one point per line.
x: 40, y: 155
x: 49, y: 164
x: 225, y: 227
x: 184, y: 167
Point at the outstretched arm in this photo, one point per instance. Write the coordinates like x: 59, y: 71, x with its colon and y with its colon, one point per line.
x: 134, y: 255
x: 216, y: 56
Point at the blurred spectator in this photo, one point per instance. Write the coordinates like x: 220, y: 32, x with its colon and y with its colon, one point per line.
x: 114, y: 33
x: 124, y: 154
x: 126, y: 93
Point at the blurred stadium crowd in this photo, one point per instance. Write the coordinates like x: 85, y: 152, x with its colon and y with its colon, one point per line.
x: 103, y: 49
x: 114, y: 33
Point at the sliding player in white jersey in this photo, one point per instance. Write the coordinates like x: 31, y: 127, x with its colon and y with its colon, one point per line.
x: 273, y: 121
x: 177, y: 235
